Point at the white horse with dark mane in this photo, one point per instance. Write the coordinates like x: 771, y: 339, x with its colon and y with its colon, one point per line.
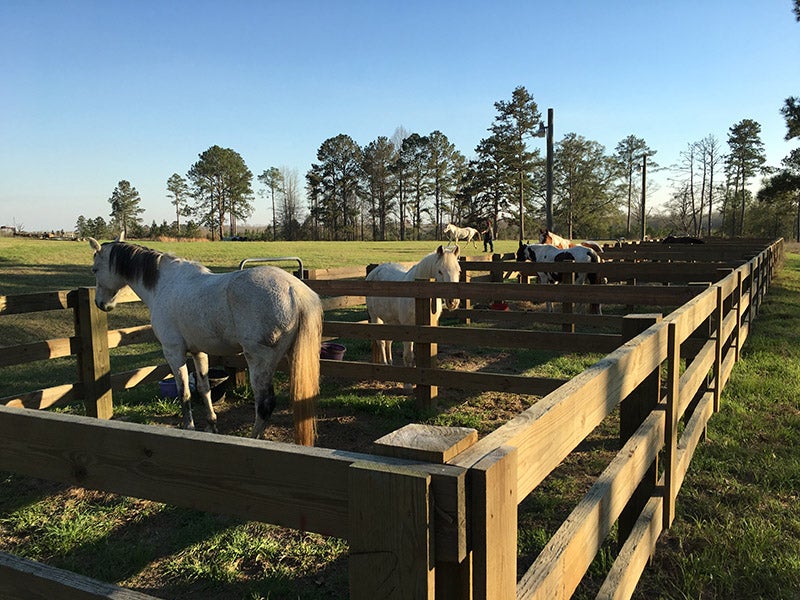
x: 441, y: 265
x: 454, y: 233
x: 264, y: 312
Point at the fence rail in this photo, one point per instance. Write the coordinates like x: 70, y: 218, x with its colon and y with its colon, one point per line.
x: 445, y: 526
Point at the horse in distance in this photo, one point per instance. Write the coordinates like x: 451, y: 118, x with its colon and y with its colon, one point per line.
x: 548, y: 237
x: 455, y: 233
x: 263, y: 312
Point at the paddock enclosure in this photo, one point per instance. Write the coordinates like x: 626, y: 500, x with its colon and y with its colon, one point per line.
x: 432, y: 512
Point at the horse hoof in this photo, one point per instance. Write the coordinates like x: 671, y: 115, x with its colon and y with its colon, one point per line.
x: 212, y: 428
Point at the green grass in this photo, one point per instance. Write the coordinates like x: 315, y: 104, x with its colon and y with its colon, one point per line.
x: 29, y: 265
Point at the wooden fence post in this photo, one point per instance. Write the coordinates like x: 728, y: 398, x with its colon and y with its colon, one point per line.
x: 671, y: 424
x: 425, y: 353
x: 391, y: 542
x: 632, y: 412
x: 717, y: 370
x: 493, y: 481
x: 94, y: 363
x: 438, y: 444
x: 466, y: 303
x: 737, y: 299
x: 568, y: 308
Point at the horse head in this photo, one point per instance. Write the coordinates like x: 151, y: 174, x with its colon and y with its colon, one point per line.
x: 448, y: 269
x: 544, y: 236
x: 117, y: 264
x: 523, y: 253
x: 108, y: 281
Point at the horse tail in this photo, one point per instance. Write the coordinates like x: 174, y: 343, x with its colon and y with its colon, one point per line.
x: 304, y: 365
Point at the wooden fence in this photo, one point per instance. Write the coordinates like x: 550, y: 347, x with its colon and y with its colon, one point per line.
x: 433, y: 513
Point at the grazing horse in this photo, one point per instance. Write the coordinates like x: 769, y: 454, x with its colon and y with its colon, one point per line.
x: 441, y: 265
x: 548, y: 237
x: 264, y: 312
x: 547, y: 253
x: 470, y: 234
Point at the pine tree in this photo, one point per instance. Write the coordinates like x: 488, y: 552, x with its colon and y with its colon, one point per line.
x: 125, y: 206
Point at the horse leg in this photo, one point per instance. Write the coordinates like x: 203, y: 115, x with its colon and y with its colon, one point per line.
x: 204, y: 388
x: 408, y: 361
x: 262, y: 368
x: 177, y: 363
x: 382, y: 349
x: 387, y: 352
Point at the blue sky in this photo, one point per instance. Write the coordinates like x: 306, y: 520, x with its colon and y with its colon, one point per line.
x: 96, y: 92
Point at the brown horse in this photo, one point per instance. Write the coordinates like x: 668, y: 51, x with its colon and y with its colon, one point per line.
x: 548, y: 237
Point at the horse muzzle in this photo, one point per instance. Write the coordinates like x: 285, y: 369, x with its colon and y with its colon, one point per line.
x: 105, y: 306
x: 452, y: 303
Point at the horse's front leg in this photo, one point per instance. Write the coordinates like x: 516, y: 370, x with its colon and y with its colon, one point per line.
x: 204, y: 388
x: 177, y: 363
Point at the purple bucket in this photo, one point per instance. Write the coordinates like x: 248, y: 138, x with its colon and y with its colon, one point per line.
x: 332, y: 351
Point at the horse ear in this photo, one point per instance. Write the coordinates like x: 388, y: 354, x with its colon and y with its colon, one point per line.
x: 94, y: 244
x: 521, y: 244
x: 455, y: 252
x: 440, y: 250
x: 121, y: 236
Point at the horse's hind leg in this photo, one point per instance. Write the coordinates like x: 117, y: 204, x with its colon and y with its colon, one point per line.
x: 265, y: 405
x: 204, y: 388
x: 262, y: 367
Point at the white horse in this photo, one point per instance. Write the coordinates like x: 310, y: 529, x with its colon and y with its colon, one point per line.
x: 547, y: 253
x: 469, y: 234
x: 441, y: 265
x: 264, y: 312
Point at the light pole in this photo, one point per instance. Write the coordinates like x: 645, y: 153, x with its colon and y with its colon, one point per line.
x: 644, y: 196
x: 548, y: 202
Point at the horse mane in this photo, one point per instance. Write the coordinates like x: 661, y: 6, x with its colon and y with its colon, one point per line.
x: 135, y: 262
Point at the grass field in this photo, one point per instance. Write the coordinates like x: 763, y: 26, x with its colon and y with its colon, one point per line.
x: 737, y: 534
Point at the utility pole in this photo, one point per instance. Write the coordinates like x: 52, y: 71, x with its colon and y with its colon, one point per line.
x: 644, y: 195
x: 549, y: 190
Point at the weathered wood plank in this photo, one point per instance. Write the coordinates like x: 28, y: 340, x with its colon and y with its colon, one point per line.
x: 605, y: 294
x: 33, y: 351
x: 499, y: 382
x: 131, y: 335
x: 562, y: 564
x: 627, y: 569
x: 295, y: 486
x: 23, y: 579
x: 39, y: 399
x: 549, y: 430
x: 35, y: 302
x: 478, y: 337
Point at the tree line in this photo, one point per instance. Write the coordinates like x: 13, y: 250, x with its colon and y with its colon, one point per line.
x: 410, y: 185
